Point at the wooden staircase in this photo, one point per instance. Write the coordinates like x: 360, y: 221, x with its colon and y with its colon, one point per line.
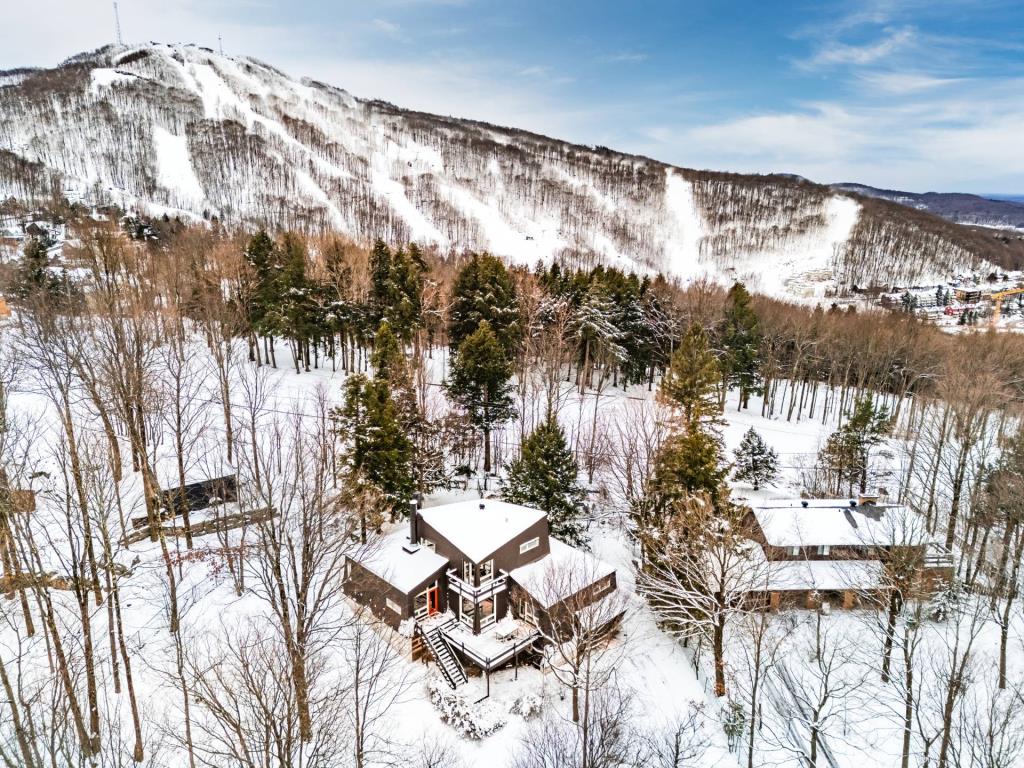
x: 451, y: 668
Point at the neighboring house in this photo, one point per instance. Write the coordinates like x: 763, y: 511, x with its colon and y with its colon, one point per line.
x: 836, y: 550
x: 193, y: 497
x: 480, y: 578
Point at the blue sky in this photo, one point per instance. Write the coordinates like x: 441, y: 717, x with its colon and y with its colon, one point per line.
x: 904, y: 94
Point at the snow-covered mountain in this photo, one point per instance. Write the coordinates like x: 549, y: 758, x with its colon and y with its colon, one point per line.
x: 1005, y: 213
x: 184, y: 130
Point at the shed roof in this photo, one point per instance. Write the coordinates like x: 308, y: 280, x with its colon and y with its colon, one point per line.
x: 400, y: 568
x: 835, y: 522
x: 479, y: 527
x: 560, y: 574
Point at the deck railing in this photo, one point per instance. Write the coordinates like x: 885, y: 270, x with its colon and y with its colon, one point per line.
x: 937, y: 556
x: 488, y: 663
x: 476, y: 594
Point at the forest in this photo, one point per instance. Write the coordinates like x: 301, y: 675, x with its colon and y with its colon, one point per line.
x: 338, y: 382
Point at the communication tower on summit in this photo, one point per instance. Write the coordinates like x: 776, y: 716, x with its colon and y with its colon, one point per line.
x: 117, y: 26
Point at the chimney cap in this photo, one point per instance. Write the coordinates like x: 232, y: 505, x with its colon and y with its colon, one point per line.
x: 481, y: 505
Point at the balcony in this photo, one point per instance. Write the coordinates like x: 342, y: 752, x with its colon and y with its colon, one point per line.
x: 937, y: 556
x: 489, y: 589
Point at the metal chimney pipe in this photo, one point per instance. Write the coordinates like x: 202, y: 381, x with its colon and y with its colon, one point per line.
x: 414, y: 526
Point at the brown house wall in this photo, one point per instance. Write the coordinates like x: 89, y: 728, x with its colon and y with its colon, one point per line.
x: 505, y: 557
x: 370, y: 590
x: 563, y: 609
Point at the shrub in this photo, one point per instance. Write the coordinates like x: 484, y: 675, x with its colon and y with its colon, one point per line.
x: 473, y: 721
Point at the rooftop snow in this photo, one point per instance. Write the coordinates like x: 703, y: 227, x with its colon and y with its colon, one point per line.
x: 479, y: 527
x: 795, y: 575
x: 789, y: 523
x: 403, y: 570
x: 560, y: 574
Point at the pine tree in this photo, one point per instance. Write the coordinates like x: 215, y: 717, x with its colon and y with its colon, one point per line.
x: 263, y: 293
x: 379, y: 453
x: 404, y: 308
x: 297, y: 311
x: 757, y: 462
x: 597, y: 324
x: 380, y: 280
x: 689, y: 462
x: 480, y: 383
x: 387, y: 359
x: 544, y: 476
x: 484, y: 290
x: 741, y: 340
x: 692, y: 379
x: 847, y: 452
x: 32, y: 275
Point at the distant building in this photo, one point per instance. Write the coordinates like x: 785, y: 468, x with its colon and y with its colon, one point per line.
x: 969, y: 294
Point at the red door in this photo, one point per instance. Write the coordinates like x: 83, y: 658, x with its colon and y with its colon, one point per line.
x: 432, y: 601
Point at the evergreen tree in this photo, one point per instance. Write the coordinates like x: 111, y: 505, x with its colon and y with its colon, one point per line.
x: 847, y: 452
x: 484, y: 290
x: 597, y: 325
x: 379, y: 453
x: 404, y: 309
x: 689, y: 462
x: 387, y: 359
x: 32, y: 275
x: 544, y: 476
x: 262, y: 293
x: 741, y: 340
x: 757, y: 462
x: 380, y: 280
x: 480, y: 383
x: 692, y: 379
x: 295, y: 306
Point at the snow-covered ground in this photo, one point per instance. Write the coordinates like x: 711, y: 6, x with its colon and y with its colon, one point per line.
x: 654, y: 670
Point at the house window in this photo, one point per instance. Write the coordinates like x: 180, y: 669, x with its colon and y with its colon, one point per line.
x: 393, y: 606
x: 486, y: 571
x: 794, y: 551
x: 824, y: 549
x: 487, y: 612
x: 603, y: 587
x: 466, y: 607
x: 526, y: 546
x: 467, y: 572
x: 528, y: 611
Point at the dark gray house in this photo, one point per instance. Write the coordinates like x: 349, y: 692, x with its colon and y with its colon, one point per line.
x: 480, y: 579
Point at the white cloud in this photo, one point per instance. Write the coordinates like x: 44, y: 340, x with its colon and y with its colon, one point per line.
x: 624, y: 57
x: 835, y: 53
x: 971, y: 135
x: 389, y: 28
x: 905, y: 82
